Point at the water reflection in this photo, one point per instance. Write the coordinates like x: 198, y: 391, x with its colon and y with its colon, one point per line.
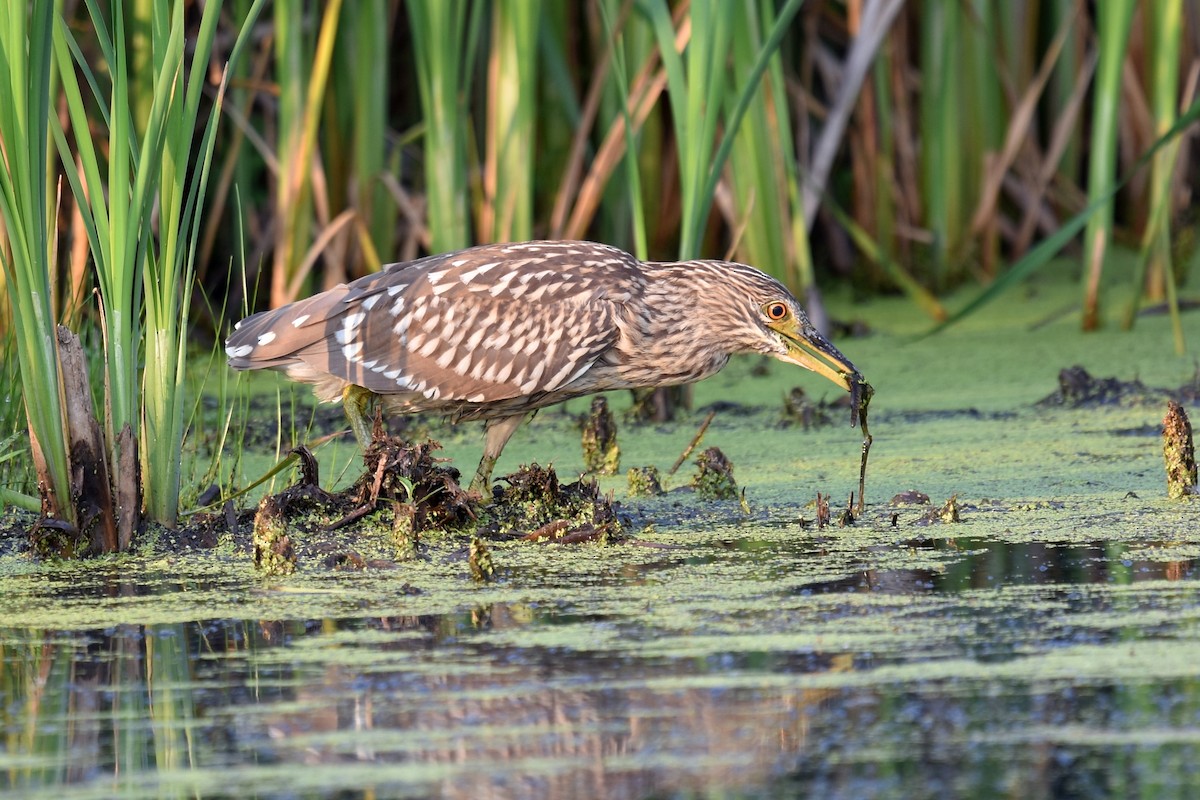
x: 986, y: 564
x: 932, y: 700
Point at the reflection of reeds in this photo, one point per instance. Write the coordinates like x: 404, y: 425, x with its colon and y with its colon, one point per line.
x: 122, y: 706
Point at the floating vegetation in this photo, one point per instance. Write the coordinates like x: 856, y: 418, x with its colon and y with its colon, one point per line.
x: 1179, y: 452
x: 536, y: 507
x: 822, y: 506
x: 799, y: 408
x: 910, y: 498
x: 714, y: 476
x: 601, y: 455
x: 273, y: 551
x: 425, y: 490
x: 480, y: 561
x: 846, y: 517
x: 405, y: 535
x: 644, y: 482
x: 1078, y: 389
x: 947, y: 513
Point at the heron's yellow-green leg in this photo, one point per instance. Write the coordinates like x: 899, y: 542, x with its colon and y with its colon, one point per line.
x: 355, y: 399
x: 497, y: 432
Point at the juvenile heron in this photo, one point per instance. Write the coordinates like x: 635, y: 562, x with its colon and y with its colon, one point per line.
x: 497, y: 331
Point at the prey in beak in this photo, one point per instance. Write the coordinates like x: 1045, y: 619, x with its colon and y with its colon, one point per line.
x: 806, y: 347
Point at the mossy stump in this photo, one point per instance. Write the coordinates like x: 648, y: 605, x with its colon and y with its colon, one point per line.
x: 273, y: 551
x: 714, y: 476
x: 644, y: 482
x: 534, y: 506
x: 798, y: 407
x: 405, y: 536
x: 1178, y: 452
x: 601, y: 455
x: 480, y: 561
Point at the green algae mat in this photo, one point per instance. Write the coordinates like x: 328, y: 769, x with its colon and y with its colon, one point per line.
x: 1045, y: 644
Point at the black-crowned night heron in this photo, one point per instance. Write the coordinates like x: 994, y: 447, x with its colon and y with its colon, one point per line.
x: 500, y: 330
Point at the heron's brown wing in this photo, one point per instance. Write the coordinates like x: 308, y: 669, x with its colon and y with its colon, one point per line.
x: 273, y: 339
x: 480, y: 325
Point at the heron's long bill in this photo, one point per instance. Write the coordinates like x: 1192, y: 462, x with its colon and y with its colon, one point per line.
x: 811, y: 350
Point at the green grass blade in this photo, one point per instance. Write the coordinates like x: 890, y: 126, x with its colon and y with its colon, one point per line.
x: 1165, y: 27
x: 26, y: 50
x: 439, y: 31
x: 616, y: 48
x: 763, y: 147
x: 942, y: 158
x: 1112, y: 28
x: 507, y: 213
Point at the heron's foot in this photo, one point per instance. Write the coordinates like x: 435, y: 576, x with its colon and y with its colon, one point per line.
x: 356, y: 400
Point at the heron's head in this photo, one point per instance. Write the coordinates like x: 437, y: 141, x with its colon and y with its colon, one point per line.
x: 753, y: 312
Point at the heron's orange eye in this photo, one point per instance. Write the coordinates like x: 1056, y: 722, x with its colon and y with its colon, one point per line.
x: 775, y: 311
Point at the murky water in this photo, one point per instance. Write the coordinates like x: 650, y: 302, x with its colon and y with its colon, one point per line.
x: 747, y: 662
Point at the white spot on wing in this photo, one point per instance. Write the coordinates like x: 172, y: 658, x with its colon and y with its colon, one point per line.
x: 351, y: 351
x: 531, y: 384
x: 472, y: 274
x: 370, y: 302
x: 240, y: 352
x: 300, y: 320
x: 557, y: 380
x: 476, y: 338
x: 266, y: 338
x: 500, y: 285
